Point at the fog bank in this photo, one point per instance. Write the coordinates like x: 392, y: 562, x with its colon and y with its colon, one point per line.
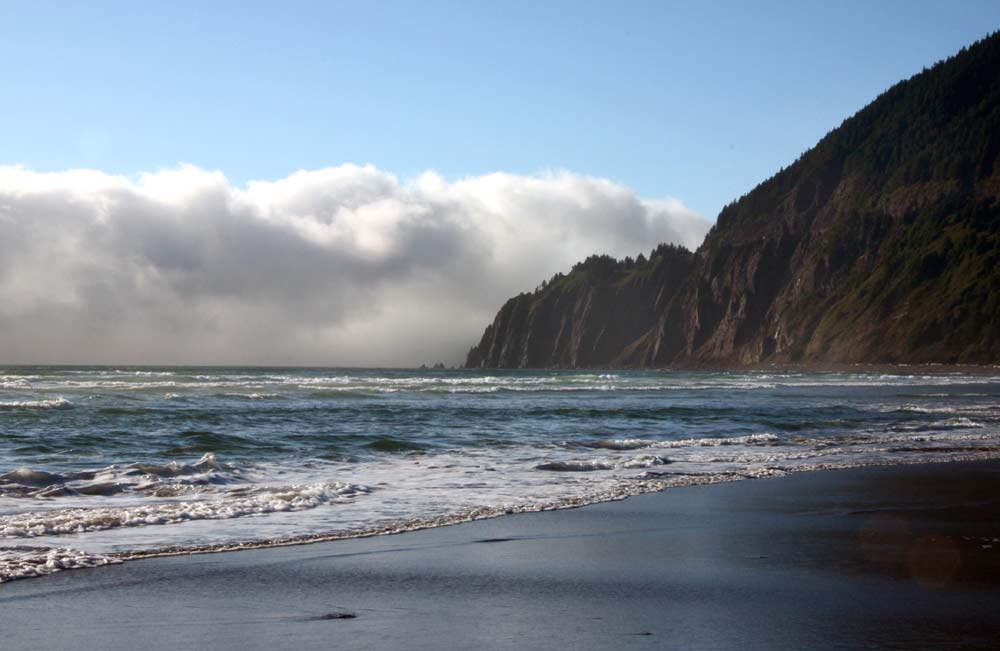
x: 341, y: 266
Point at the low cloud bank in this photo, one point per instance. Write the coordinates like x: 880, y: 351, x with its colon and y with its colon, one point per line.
x: 343, y: 265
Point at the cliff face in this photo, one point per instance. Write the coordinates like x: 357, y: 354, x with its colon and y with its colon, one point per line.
x: 590, y: 317
x: 879, y: 245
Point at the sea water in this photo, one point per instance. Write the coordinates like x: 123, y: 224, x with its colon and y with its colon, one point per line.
x: 102, y: 464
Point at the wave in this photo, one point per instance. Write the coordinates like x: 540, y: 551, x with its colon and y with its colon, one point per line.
x: 597, y: 492
x: 636, y: 444
x: 256, y: 501
x: 207, y: 464
x: 942, y: 426
x: 253, y: 396
x: 386, y: 444
x: 208, y: 442
x: 31, y: 478
x: 918, y: 409
x: 28, y: 562
x: 590, y: 465
x: 24, y: 562
x: 461, y: 382
x: 50, y: 403
x: 153, y: 479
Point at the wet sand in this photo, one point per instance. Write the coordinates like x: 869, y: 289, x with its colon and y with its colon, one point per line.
x: 904, y: 557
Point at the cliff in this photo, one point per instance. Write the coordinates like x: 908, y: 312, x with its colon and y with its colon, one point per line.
x: 589, y: 317
x: 881, y: 244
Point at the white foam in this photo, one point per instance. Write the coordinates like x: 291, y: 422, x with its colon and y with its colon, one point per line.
x: 14, y: 383
x: 636, y: 444
x: 27, y: 562
x: 950, y: 424
x: 467, y: 383
x: 918, y: 409
x: 589, y: 465
x: 260, y: 501
x: 50, y: 403
x: 254, y: 396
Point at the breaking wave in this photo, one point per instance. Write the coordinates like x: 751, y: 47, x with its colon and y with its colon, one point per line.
x: 147, y: 478
x: 259, y: 500
x: 637, y: 444
x: 50, y: 403
x: 584, y: 465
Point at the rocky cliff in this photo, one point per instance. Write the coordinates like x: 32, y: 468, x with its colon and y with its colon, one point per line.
x: 881, y: 244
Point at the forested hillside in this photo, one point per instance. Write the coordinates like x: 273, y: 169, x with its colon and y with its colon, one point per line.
x: 881, y: 244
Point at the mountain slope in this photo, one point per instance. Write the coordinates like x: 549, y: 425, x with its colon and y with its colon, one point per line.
x: 881, y: 244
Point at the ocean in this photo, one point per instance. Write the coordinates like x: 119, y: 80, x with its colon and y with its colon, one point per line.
x: 103, y: 464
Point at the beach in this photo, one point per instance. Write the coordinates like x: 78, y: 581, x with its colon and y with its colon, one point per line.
x: 469, y: 326
x: 880, y: 558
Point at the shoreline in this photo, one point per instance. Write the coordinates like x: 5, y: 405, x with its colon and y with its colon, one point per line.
x: 544, y: 441
x: 928, y: 368
x: 489, y: 513
x: 478, y: 514
x: 664, y: 568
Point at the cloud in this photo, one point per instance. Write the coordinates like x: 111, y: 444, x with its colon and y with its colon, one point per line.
x: 344, y: 265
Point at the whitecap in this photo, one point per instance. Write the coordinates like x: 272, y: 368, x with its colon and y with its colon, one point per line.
x: 51, y: 403
x: 590, y: 465
x: 943, y: 426
x: 635, y: 444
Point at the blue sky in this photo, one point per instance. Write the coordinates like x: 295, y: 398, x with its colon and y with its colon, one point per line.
x: 698, y: 101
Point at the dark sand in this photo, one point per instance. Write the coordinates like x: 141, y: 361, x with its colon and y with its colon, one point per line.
x: 875, y: 558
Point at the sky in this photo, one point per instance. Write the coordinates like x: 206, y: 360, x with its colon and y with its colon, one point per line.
x: 365, y: 183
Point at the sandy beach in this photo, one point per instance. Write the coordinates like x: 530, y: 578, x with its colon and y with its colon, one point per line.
x: 500, y: 326
x: 875, y: 558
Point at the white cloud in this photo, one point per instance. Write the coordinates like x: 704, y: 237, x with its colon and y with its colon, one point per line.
x: 344, y: 265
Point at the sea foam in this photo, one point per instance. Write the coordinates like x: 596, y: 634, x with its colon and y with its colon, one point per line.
x: 260, y: 500
x: 49, y: 403
x: 27, y: 562
x: 636, y: 444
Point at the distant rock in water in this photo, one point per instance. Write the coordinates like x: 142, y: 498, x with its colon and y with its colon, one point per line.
x: 881, y: 244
